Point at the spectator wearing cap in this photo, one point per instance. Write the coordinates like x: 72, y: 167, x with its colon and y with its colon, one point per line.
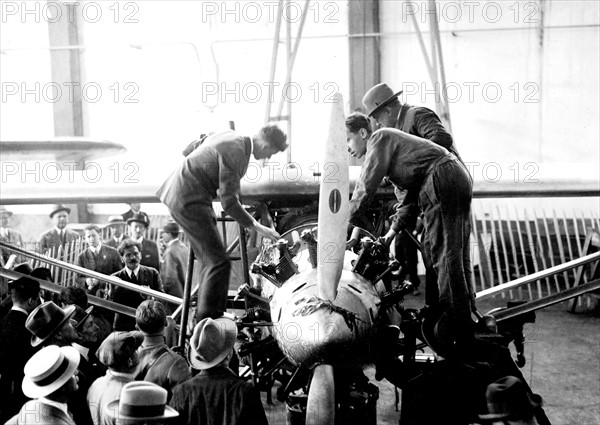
x: 135, y: 208
x: 116, y: 226
x: 15, y: 346
x: 52, y: 325
x: 509, y: 402
x: 216, y: 394
x: 174, y: 262
x: 59, y: 236
x: 133, y: 272
x: 99, y: 258
x: 8, y: 235
x: 118, y: 352
x: 142, y: 403
x: 138, y: 224
x: 158, y: 363
x: 51, y: 379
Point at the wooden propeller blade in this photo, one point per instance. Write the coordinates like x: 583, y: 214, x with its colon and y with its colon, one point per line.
x: 320, y: 406
x: 333, y: 205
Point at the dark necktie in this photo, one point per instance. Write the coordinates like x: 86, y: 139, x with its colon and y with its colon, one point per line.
x: 134, y: 278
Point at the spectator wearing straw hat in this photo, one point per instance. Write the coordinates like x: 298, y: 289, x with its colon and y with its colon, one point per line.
x: 138, y: 224
x: 116, y: 225
x: 51, y: 379
x: 8, y: 235
x: 99, y: 258
x: 52, y: 325
x: 118, y: 352
x: 142, y: 403
x: 59, y: 236
x: 158, y: 363
x: 216, y: 394
x: 15, y: 346
x: 174, y: 262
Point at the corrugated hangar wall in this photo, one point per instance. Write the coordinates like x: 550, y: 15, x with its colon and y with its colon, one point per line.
x: 522, y: 77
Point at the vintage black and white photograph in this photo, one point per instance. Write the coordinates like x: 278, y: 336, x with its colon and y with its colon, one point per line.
x: 300, y: 212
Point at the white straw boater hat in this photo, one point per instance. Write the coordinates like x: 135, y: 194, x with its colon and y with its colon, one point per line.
x: 212, y: 341
x: 141, y: 402
x: 49, y: 369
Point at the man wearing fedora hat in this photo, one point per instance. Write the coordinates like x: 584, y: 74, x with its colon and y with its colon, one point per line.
x: 216, y: 167
x: 59, y: 237
x: 138, y: 224
x: 15, y: 346
x: 382, y: 104
x: 216, y: 394
x: 444, y: 191
x: 51, y: 325
x: 135, y: 208
x: 174, y: 261
x: 116, y: 226
x: 510, y: 402
x: 142, y: 403
x: 7, y: 234
x: 51, y: 379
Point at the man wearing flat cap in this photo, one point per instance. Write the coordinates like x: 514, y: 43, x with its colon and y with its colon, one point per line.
x: 118, y: 353
x: 174, y: 262
x: 7, y: 234
x: 51, y: 380
x: 15, y: 346
x: 138, y: 224
x: 60, y: 240
x: 116, y: 226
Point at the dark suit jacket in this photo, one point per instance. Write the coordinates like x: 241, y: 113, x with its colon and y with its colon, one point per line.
x: 108, y: 261
x: 51, y: 239
x: 150, y: 257
x: 15, y: 351
x: 33, y: 412
x: 173, y: 268
x: 113, y: 243
x: 148, y: 277
x: 218, y: 396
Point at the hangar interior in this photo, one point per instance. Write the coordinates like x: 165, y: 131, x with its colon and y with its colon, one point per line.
x: 99, y: 100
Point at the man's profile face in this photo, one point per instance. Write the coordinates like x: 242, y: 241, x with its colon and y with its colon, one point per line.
x: 264, y: 150
x: 5, y: 220
x: 131, y: 257
x: 68, y: 332
x: 357, y: 142
x: 61, y: 219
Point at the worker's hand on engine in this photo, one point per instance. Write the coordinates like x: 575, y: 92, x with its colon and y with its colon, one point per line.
x: 266, y: 232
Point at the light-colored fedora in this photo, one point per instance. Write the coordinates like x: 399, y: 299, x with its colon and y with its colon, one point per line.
x: 49, y: 369
x: 46, y: 319
x: 115, y: 219
x: 377, y: 97
x: 212, y: 341
x: 141, y: 402
x: 5, y: 212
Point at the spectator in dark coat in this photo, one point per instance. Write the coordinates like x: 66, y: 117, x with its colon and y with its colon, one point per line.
x: 116, y: 225
x: 133, y: 272
x: 99, y: 258
x: 138, y: 224
x: 216, y: 394
x: 15, y: 345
